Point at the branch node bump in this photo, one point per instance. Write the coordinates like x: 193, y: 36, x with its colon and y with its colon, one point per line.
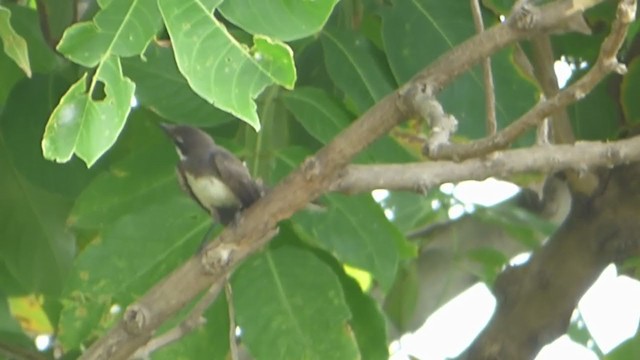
x: 311, y: 168
x: 219, y: 257
x: 135, y: 319
x: 620, y: 69
x: 524, y: 16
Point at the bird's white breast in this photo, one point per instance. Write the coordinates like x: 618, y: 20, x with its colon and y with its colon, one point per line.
x: 212, y: 192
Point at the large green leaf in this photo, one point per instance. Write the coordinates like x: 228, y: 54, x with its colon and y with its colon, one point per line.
x: 14, y: 45
x: 139, y: 180
x: 597, y: 116
x: 23, y: 121
x: 351, y: 62
x: 368, y: 322
x: 122, y: 27
x: 141, y: 247
x: 36, y: 248
x: 83, y: 125
x: 281, y: 19
x: 219, y: 68
x: 324, y: 117
x: 161, y: 88
x: 356, y: 231
x: 285, y: 313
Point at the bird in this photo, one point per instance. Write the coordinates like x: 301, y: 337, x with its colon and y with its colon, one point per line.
x: 211, y: 175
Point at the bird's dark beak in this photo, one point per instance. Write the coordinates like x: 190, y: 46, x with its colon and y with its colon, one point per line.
x: 168, y: 128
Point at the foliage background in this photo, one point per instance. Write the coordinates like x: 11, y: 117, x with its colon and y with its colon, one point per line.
x: 108, y: 220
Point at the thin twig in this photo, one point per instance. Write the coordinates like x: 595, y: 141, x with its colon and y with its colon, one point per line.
x: 489, y: 89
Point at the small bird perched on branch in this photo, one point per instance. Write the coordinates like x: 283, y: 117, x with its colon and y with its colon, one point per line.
x: 215, y: 178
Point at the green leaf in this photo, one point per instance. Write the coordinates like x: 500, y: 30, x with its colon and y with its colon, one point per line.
x: 139, y: 242
x: 14, y: 45
x: 596, y: 117
x: 87, y: 126
x: 207, y: 342
x: 286, y: 314
x: 323, y: 117
x: 161, y: 87
x: 139, y: 180
x: 122, y: 28
x: 351, y: 63
x: 220, y: 69
x: 357, y: 232
x: 37, y: 249
x: 368, y: 322
x: 142, y: 247
x: 280, y: 19
x: 23, y: 121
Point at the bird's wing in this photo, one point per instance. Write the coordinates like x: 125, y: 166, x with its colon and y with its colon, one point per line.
x: 236, y: 176
x: 180, y: 172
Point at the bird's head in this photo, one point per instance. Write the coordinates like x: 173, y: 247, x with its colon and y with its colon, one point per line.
x: 188, y: 140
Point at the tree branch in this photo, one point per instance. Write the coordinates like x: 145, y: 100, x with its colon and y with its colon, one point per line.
x: 420, y: 177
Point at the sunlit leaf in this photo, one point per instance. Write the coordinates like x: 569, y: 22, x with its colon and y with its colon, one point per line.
x: 219, y: 68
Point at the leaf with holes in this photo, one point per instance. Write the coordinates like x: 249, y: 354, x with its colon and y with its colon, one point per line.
x: 85, y: 126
